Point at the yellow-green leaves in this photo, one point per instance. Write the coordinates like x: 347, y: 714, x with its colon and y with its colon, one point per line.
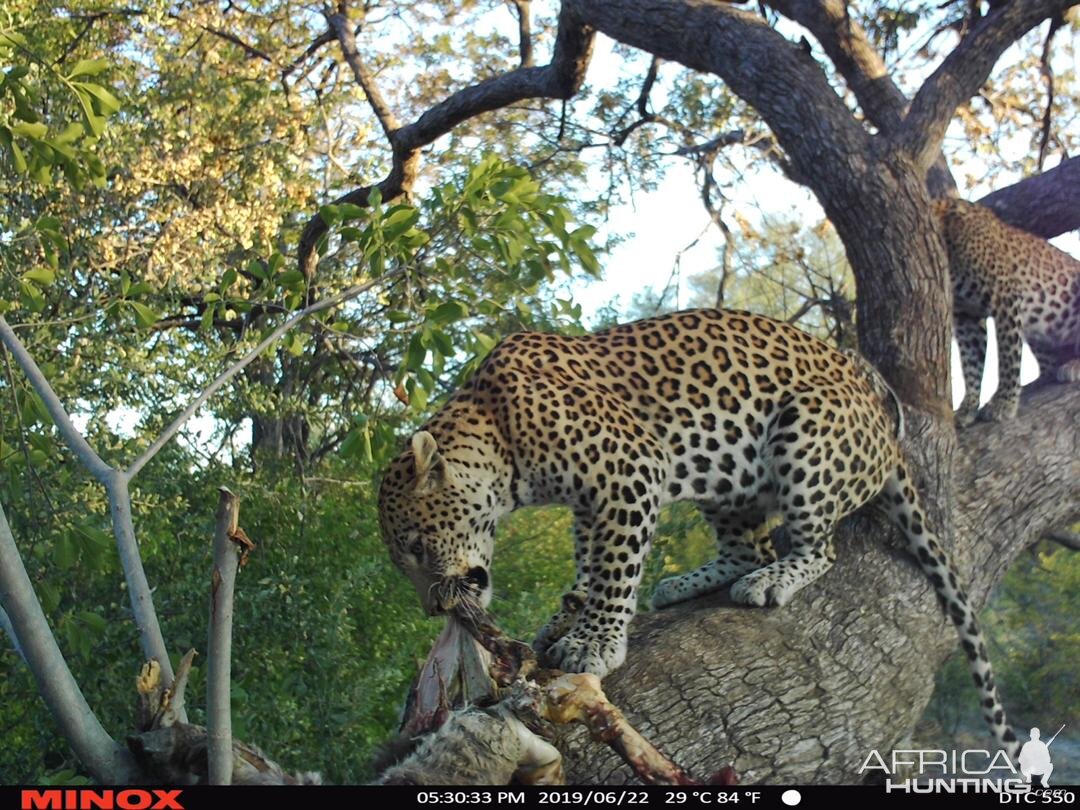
x: 36, y: 145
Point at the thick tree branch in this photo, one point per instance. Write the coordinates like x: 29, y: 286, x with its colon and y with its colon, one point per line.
x: 801, y: 694
x: 109, y: 762
x: 1047, y: 204
x: 963, y: 72
x: 560, y: 79
x: 847, y: 46
x: 763, y: 68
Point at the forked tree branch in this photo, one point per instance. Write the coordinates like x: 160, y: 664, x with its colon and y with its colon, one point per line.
x: 963, y: 72
x: 560, y: 79
x: 849, y: 49
x: 116, y: 485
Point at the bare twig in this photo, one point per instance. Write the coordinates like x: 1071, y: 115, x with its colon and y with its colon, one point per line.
x: 193, y: 406
x: 219, y: 655
x: 1048, y: 73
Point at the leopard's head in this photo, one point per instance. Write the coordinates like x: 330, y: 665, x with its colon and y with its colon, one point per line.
x: 436, y: 520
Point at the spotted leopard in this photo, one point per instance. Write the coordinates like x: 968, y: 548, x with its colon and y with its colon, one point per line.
x: 743, y: 414
x: 1029, y: 287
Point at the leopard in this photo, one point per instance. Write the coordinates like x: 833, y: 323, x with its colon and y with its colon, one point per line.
x: 747, y: 416
x: 1029, y: 287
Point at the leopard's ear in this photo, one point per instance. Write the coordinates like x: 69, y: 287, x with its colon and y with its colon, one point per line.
x: 430, y: 465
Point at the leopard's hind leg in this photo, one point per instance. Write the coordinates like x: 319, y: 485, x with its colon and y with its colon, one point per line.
x: 744, y: 544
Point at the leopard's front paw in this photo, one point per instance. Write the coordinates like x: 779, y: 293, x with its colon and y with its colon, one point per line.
x: 764, y: 587
x: 999, y: 409
x: 559, y: 624
x: 577, y: 653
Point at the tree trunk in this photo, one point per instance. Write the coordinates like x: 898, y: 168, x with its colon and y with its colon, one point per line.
x: 801, y: 694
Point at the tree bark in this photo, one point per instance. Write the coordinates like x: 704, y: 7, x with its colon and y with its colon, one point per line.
x: 801, y: 694
x: 1047, y: 204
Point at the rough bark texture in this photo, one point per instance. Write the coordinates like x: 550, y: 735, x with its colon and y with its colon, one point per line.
x: 801, y: 694
x: 1047, y: 204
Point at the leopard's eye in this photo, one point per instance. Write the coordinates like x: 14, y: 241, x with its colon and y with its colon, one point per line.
x: 417, y: 549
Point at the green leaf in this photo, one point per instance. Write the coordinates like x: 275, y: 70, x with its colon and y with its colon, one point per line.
x: 351, y: 211
x: 442, y: 342
x: 18, y: 158
x: 92, y: 620
x: 28, y: 130
x: 72, y: 132
x: 398, y: 220
x: 331, y: 215
x: 448, y: 312
x: 88, y: 67
x: 66, y: 551
x: 415, y: 353
x: 397, y: 316
x: 94, y: 122
x: 107, y: 102
x: 374, y: 198
x: 40, y: 276
x: 291, y: 278
x: 31, y: 296
x: 144, y: 316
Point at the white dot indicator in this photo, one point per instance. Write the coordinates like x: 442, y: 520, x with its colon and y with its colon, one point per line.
x: 791, y: 797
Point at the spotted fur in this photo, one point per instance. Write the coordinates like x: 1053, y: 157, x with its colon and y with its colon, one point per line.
x: 1029, y: 287
x: 747, y: 416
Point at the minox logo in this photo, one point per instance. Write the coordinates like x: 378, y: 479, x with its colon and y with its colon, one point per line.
x: 81, y: 799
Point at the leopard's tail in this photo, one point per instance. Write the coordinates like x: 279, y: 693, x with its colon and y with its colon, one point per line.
x: 901, y: 502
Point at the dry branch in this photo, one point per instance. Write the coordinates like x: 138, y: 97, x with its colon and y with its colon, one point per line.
x: 219, y: 651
